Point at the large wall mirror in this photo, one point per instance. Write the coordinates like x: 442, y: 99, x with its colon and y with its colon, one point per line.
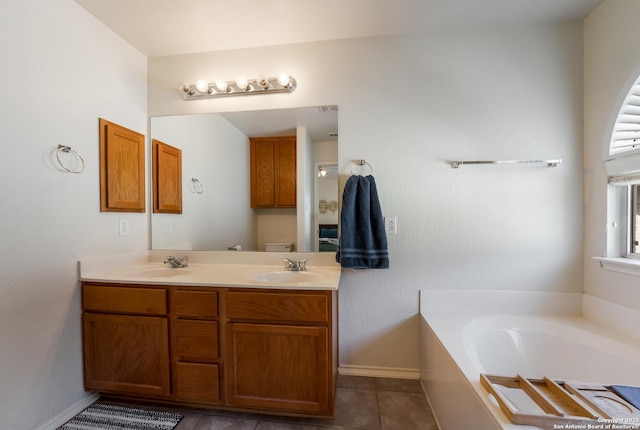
x: 217, y: 214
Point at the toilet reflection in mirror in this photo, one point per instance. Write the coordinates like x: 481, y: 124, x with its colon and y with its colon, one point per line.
x: 215, y: 149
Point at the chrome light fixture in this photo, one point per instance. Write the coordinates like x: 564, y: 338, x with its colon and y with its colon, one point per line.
x: 203, y: 89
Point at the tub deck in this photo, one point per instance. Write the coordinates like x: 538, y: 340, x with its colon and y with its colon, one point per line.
x: 455, y: 350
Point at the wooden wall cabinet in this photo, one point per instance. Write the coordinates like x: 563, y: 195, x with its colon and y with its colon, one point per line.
x: 273, y: 172
x: 122, y: 186
x: 231, y: 348
x: 167, y: 178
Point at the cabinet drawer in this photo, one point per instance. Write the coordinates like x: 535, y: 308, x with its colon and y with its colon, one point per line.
x: 197, y: 382
x: 278, y: 306
x: 150, y: 301
x: 195, y: 304
x: 196, y: 340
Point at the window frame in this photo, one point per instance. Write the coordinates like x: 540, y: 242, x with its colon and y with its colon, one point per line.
x: 622, y: 165
x: 631, y: 221
x: 618, y: 257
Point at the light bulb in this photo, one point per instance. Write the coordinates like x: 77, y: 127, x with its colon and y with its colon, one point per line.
x: 242, y: 83
x: 185, y: 88
x: 283, y: 80
x: 202, y: 86
x: 221, y: 85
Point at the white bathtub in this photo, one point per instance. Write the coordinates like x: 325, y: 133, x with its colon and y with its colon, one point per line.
x: 460, y: 342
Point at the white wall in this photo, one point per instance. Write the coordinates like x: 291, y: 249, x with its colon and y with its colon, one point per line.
x: 305, y: 192
x: 213, y: 151
x: 612, y: 64
x: 408, y: 105
x: 61, y: 70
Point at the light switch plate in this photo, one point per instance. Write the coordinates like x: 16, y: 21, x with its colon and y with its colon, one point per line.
x: 391, y: 225
x: 123, y: 227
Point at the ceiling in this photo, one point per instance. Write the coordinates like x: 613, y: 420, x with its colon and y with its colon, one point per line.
x: 173, y: 27
x: 321, y: 122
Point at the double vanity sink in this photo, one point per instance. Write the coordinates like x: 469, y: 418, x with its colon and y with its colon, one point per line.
x: 232, y: 330
x: 237, y: 275
x: 222, y: 270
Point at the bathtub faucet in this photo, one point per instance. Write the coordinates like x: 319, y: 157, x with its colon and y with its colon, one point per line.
x: 295, y: 265
x: 175, y: 263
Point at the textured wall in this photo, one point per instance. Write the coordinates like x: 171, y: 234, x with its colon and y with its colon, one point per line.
x: 212, y: 151
x: 61, y: 69
x: 612, y: 64
x: 407, y: 106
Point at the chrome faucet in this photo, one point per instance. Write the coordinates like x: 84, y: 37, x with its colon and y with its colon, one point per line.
x: 295, y: 265
x: 175, y: 263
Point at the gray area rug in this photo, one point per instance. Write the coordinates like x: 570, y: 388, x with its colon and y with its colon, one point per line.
x: 103, y: 416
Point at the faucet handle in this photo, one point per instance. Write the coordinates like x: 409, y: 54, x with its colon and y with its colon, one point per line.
x: 289, y: 264
x: 176, y: 262
x: 295, y: 266
x: 302, y: 264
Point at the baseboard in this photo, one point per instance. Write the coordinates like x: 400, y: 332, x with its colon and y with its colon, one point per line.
x: 70, y: 412
x: 379, y: 372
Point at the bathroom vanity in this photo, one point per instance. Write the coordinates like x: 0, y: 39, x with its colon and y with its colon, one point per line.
x: 229, y: 336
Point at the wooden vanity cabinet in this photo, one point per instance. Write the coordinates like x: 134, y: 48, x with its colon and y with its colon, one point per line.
x: 269, y: 351
x: 281, y: 351
x: 126, y: 340
x: 273, y: 172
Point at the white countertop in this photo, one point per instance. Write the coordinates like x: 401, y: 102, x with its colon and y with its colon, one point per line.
x: 215, y: 269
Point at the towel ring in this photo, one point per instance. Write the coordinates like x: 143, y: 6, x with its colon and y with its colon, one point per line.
x: 361, y: 163
x: 195, y: 186
x: 67, y: 149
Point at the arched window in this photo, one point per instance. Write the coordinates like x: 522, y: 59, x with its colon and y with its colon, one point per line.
x: 623, y: 171
x: 626, y: 131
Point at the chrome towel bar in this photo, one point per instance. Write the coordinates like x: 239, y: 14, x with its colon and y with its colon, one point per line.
x: 549, y: 163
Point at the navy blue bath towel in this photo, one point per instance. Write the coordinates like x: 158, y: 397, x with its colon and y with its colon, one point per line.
x: 630, y: 394
x: 363, y: 240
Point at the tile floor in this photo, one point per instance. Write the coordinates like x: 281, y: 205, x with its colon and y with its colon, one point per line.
x: 362, y: 403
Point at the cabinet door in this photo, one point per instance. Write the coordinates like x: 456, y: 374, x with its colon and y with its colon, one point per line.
x: 263, y: 170
x: 278, y: 367
x: 286, y: 173
x: 273, y: 172
x: 167, y: 178
x: 126, y: 354
x: 121, y: 169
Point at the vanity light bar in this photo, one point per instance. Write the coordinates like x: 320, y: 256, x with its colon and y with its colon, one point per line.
x: 240, y: 87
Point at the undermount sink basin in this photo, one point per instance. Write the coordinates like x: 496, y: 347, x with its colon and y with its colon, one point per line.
x: 156, y: 272
x: 286, y: 277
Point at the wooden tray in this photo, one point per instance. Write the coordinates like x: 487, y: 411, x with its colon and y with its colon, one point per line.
x: 561, y: 402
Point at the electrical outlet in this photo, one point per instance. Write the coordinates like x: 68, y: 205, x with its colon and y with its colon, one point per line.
x: 391, y: 225
x: 168, y: 225
x: 123, y: 227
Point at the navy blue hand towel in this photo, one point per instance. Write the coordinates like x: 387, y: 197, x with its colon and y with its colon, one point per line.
x: 630, y: 394
x: 363, y: 240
